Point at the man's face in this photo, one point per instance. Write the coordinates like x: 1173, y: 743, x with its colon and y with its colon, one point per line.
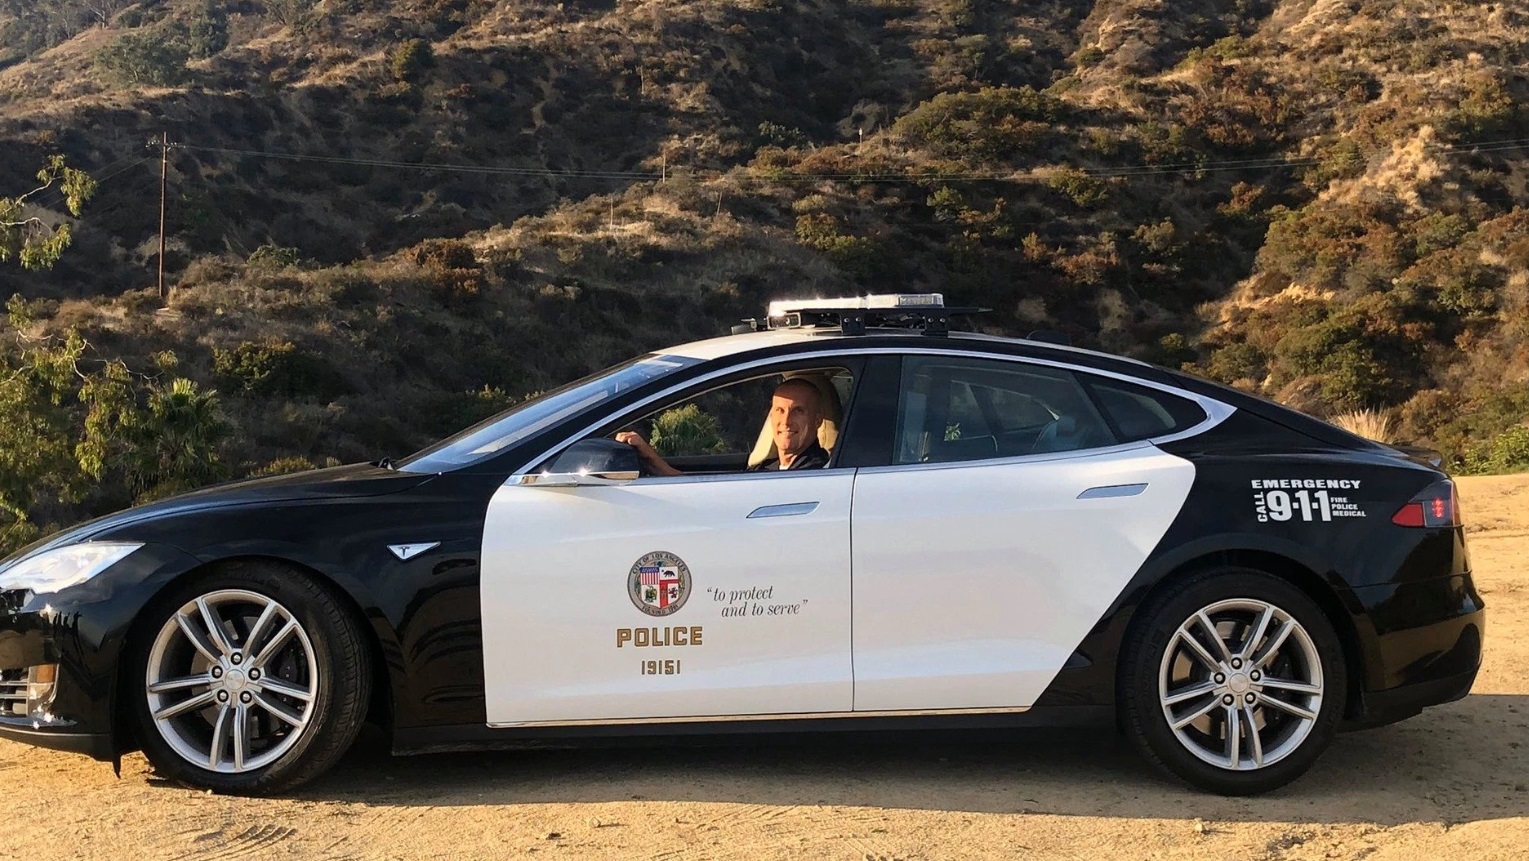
x: 794, y: 417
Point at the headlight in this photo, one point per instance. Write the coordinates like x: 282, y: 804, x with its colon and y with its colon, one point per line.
x: 64, y: 566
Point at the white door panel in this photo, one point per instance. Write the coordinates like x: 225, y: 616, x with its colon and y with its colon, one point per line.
x: 556, y: 565
x: 974, y: 582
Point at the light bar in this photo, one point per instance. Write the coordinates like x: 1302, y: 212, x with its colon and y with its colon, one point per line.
x: 880, y: 301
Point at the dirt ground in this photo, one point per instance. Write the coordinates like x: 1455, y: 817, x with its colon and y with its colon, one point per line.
x: 1451, y: 783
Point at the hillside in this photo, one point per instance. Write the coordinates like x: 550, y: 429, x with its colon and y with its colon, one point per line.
x: 387, y: 218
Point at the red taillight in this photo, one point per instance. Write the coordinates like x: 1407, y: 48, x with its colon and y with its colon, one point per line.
x: 1435, y: 506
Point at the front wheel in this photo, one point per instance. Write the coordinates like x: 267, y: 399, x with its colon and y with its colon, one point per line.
x: 1235, y: 681
x: 250, y: 681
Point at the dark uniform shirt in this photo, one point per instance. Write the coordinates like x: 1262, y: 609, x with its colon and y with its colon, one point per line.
x: 811, y: 457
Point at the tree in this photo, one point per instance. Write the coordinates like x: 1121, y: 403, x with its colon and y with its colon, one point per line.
x: 29, y: 237
x: 175, y: 441
x: 138, y: 59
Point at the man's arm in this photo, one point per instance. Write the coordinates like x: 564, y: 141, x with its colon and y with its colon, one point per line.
x: 655, y: 461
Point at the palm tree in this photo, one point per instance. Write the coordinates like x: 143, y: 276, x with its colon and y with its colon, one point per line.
x: 175, y: 441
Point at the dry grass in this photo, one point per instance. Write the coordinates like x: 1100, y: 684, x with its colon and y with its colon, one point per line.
x: 1370, y: 424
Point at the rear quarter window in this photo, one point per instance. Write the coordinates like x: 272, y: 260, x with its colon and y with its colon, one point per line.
x: 1139, y: 412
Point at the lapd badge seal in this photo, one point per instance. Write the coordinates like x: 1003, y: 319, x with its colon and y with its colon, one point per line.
x: 659, y: 583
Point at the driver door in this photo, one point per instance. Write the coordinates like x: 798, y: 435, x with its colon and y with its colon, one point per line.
x: 706, y: 595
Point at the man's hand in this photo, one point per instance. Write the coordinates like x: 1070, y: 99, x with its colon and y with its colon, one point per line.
x: 655, y: 461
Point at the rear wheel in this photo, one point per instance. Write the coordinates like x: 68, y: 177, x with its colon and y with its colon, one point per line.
x: 1234, y: 681
x: 250, y: 681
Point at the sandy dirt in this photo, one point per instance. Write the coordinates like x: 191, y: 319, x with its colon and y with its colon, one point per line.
x: 1452, y: 783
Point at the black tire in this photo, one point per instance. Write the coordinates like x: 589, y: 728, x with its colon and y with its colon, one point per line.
x: 336, y: 676
x: 1144, y: 668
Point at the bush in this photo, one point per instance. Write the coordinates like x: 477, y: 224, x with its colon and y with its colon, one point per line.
x: 271, y: 256
x: 1507, y: 452
x: 860, y: 256
x: 274, y: 367
x: 289, y: 12
x: 144, y: 60
x: 409, y: 62
x: 992, y: 123
x: 687, y: 431
x: 207, y: 31
x: 451, y: 269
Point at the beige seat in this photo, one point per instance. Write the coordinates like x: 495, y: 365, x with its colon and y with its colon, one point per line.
x: 828, y: 431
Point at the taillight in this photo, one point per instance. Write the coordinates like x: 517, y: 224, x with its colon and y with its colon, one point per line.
x: 1437, y: 505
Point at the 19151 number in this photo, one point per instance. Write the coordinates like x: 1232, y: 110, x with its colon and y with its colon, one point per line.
x: 660, y: 668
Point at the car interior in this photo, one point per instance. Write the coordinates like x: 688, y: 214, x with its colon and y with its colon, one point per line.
x: 727, y: 429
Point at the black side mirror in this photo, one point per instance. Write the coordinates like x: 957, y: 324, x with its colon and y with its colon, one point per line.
x: 596, y: 456
x: 589, y: 462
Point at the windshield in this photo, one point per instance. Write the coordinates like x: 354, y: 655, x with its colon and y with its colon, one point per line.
x: 492, y: 436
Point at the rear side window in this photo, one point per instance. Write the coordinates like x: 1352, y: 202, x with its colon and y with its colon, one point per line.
x: 1138, y: 412
x: 955, y: 409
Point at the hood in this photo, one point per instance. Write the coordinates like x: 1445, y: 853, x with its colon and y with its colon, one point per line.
x: 340, y: 482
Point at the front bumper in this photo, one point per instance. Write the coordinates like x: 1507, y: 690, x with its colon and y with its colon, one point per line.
x: 1421, y: 645
x: 80, y: 634
x: 97, y: 745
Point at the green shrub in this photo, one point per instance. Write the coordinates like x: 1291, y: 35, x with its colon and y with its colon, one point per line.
x: 687, y: 431
x: 1079, y: 187
x: 207, y: 31
x: 272, y: 256
x: 409, y: 62
x: 992, y: 123
x: 289, y: 12
x: 1506, y: 452
x: 147, y: 59
x: 274, y: 367
x: 860, y: 256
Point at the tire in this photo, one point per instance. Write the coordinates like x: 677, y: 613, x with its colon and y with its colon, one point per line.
x: 272, y: 705
x: 1283, y: 668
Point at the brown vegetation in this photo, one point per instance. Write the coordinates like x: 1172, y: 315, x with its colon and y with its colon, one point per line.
x: 389, y: 218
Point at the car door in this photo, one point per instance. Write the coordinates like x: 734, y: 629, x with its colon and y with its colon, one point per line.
x: 1010, y: 519
x: 702, y: 595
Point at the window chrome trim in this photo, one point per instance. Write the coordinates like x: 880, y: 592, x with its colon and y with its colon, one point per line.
x: 1216, y: 412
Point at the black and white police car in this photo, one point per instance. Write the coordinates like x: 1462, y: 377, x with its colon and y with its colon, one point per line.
x: 1006, y: 532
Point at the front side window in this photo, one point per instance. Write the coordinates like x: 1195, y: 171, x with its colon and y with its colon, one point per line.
x: 957, y: 409
x: 494, y: 435
x: 735, y: 427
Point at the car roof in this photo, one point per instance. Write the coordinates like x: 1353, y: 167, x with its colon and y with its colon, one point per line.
x: 770, y: 339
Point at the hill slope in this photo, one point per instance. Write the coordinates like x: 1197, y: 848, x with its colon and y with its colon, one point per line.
x: 1321, y: 201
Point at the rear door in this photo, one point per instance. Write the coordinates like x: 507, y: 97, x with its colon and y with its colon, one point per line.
x: 1010, y: 519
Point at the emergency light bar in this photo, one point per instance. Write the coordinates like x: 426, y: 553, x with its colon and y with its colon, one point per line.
x: 882, y: 301
x: 925, y: 311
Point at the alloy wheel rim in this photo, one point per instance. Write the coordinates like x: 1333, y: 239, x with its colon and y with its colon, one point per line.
x: 1240, y: 684
x: 231, y: 681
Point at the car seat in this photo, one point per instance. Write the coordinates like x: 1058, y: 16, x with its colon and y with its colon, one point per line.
x: 828, y: 431
x: 1063, y: 434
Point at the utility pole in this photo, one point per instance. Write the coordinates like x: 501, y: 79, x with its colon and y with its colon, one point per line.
x: 164, y: 185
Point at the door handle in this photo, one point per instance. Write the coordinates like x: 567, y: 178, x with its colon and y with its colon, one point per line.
x: 789, y: 509
x: 1113, y: 491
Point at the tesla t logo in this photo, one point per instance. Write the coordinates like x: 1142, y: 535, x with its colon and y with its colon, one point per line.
x: 659, y: 583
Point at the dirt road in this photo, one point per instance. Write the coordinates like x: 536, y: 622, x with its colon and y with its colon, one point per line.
x: 1451, y: 784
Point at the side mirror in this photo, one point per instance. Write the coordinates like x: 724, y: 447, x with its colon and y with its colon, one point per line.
x: 589, y: 462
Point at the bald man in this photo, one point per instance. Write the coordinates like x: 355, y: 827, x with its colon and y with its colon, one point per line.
x: 796, y: 412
